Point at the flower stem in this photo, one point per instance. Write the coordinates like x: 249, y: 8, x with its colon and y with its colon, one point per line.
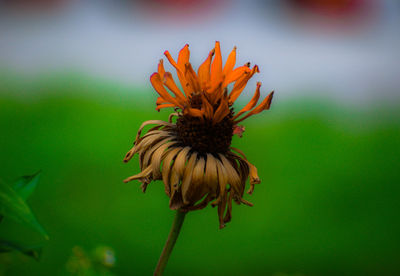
x: 169, y: 245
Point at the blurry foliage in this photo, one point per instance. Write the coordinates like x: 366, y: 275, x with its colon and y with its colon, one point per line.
x: 98, y: 262
x: 13, y: 206
x: 328, y: 203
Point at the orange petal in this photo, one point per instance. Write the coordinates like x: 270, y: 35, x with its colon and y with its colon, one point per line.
x: 194, y: 112
x: 216, y: 66
x: 214, y: 93
x: 191, y: 76
x: 181, y: 76
x: 204, y: 70
x: 264, y: 105
x: 158, y: 86
x: 164, y: 106
x: 161, y: 69
x: 236, y: 74
x: 207, y: 107
x: 161, y: 100
x: 252, y: 102
x: 183, y: 57
x: 222, y: 111
x: 170, y: 84
x: 241, y: 84
x: 230, y: 62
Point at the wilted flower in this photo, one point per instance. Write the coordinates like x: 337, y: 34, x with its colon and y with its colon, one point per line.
x: 193, y: 155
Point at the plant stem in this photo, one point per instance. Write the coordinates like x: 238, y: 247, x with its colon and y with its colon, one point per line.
x: 169, y: 245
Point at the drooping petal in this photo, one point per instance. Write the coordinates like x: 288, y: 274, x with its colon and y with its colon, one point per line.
x: 149, y: 152
x: 200, y: 205
x: 222, y: 181
x: 233, y: 177
x: 194, y: 190
x: 211, y: 174
x: 157, y: 157
x: 167, y: 167
x: 254, y: 179
x: 172, y: 115
x: 187, y: 177
x: 175, y: 201
x: 150, y: 122
x: 228, y: 215
x: 143, y: 174
x: 149, y: 141
x: 221, y: 209
x: 178, y: 169
x: 180, y: 161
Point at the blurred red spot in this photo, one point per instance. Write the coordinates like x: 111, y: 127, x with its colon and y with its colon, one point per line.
x: 334, y: 14
x: 181, y: 10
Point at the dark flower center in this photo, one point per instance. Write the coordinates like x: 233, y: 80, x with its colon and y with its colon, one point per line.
x: 204, y: 137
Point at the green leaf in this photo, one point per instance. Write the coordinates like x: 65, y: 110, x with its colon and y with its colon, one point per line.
x: 14, y: 207
x: 25, y: 185
x: 31, y: 251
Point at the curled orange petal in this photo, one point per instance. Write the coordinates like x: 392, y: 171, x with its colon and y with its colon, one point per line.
x: 252, y: 102
x: 264, y: 105
x: 236, y: 74
x: 160, y: 100
x: 180, y: 73
x: 164, y: 106
x: 170, y: 84
x: 158, y: 86
x: 241, y: 84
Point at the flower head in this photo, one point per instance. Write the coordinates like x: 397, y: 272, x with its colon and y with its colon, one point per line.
x: 193, y: 155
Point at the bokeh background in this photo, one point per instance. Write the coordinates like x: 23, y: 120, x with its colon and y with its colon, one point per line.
x: 74, y: 88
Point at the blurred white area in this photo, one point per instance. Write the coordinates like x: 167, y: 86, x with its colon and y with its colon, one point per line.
x: 123, y: 41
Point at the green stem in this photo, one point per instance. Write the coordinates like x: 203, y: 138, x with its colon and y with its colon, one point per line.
x: 169, y: 245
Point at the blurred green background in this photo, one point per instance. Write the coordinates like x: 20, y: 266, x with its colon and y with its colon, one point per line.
x: 328, y: 203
